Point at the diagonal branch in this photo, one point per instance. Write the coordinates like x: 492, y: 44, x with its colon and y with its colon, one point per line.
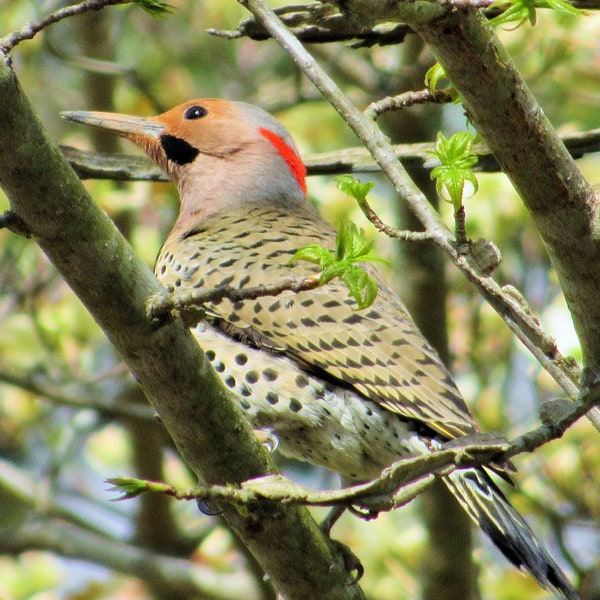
x: 397, y: 485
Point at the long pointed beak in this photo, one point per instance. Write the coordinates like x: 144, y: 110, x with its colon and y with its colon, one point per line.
x: 124, y: 125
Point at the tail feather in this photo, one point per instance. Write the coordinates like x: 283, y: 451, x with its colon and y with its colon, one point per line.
x: 489, y: 508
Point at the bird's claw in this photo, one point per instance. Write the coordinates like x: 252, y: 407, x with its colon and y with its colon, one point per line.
x: 352, y: 563
x: 206, y: 508
x: 268, y: 439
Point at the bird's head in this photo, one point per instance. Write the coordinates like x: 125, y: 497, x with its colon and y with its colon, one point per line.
x: 221, y: 154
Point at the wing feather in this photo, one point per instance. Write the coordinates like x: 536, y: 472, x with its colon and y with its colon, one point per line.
x: 378, y: 351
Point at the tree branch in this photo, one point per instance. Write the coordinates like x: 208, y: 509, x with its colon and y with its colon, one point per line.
x: 81, y: 396
x: 398, y: 484
x: 163, y: 303
x: 127, y: 167
x: 405, y: 100
x: 314, y: 24
x: 195, y: 408
x: 180, y: 577
x: 561, y: 201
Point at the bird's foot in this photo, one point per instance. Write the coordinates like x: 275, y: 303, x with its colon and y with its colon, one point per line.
x: 207, y: 508
x: 331, y: 519
x: 352, y: 563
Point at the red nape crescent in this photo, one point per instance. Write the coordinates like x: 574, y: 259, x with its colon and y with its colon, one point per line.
x: 291, y: 158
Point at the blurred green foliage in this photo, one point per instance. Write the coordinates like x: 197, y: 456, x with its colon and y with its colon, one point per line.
x: 66, y: 401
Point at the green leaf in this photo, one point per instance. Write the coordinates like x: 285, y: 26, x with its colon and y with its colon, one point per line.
x: 351, y: 247
x: 514, y: 11
x: 362, y: 287
x: 129, y: 487
x: 334, y: 270
x: 457, y: 158
x: 314, y: 254
x: 353, y: 187
x: 434, y: 75
x: 562, y: 6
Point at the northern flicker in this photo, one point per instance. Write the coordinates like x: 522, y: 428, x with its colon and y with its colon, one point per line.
x: 348, y: 390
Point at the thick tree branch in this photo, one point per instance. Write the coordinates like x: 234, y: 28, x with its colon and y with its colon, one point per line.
x: 206, y: 426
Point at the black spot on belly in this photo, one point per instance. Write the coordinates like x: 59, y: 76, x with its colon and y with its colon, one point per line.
x: 295, y: 405
x: 252, y: 376
x: 270, y: 374
x: 241, y: 359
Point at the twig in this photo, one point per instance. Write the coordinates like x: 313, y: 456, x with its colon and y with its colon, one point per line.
x: 397, y: 484
x: 460, y: 229
x: 560, y: 415
x: 28, y: 31
x: 159, y: 305
x: 405, y: 100
x: 86, y: 397
x: 316, y: 23
x: 412, y: 236
x: 466, y: 3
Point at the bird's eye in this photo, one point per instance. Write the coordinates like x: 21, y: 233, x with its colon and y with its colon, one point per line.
x: 194, y: 112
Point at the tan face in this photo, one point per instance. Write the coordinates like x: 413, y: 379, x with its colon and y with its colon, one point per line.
x: 247, y: 139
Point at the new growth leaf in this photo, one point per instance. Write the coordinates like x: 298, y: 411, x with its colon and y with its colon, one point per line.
x: 519, y: 11
x: 351, y: 247
x: 457, y: 158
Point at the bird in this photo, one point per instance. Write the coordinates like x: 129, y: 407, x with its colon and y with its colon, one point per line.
x: 345, y: 389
